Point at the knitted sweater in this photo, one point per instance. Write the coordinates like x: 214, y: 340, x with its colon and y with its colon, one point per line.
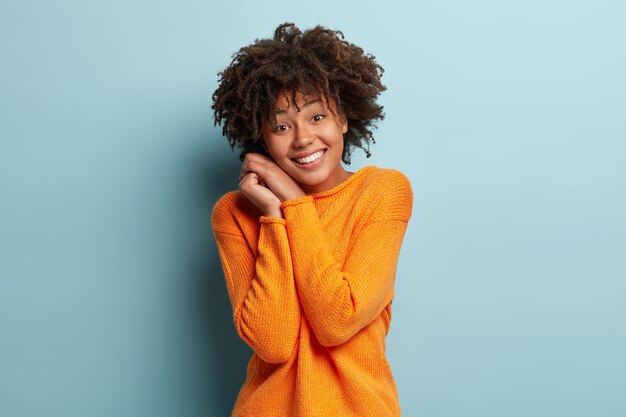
x: 311, y: 294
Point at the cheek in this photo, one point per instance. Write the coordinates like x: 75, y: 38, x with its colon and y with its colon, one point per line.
x: 270, y: 144
x: 276, y: 149
x: 334, y: 136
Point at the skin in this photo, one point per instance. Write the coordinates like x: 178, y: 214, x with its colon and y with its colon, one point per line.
x: 268, y: 182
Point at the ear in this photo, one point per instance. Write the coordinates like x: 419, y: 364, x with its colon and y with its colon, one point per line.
x: 344, y: 123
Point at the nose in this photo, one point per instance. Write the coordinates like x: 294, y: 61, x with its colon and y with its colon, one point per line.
x: 303, y: 138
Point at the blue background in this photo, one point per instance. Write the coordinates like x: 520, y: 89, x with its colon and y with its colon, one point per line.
x: 507, y: 116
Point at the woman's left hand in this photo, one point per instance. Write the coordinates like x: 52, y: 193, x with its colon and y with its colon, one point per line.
x: 273, y: 176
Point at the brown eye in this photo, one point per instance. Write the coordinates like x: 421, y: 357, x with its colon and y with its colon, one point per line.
x: 280, y: 128
x: 318, y: 117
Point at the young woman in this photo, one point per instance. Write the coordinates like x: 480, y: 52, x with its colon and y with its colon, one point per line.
x: 309, y: 249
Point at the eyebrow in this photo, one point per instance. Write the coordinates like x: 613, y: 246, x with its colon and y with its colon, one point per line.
x: 306, y: 104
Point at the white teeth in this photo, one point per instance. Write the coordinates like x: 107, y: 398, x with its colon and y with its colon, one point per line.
x: 311, y: 158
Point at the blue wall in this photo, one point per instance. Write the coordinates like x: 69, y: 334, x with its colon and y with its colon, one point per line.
x: 508, y: 117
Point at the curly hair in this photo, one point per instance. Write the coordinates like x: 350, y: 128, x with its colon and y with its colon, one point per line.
x: 316, y: 61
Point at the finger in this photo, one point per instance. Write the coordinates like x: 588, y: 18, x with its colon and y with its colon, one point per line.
x: 250, y: 180
x: 245, y: 169
x: 245, y: 172
x: 248, y: 176
x: 247, y: 166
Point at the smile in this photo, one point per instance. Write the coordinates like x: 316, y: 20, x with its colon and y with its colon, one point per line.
x: 310, y: 158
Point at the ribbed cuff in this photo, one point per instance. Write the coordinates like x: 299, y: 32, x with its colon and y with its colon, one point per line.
x: 296, y: 201
x: 303, y: 223
x: 278, y: 220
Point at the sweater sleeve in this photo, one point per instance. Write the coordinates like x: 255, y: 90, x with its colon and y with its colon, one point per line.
x: 341, y: 299
x: 260, y: 285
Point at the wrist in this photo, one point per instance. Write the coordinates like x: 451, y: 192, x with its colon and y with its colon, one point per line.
x: 273, y: 212
x: 292, y: 195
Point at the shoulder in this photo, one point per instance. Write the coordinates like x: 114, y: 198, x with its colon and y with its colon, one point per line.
x: 393, y: 192
x: 388, y: 183
x: 389, y: 179
x: 226, y: 202
x: 232, y: 212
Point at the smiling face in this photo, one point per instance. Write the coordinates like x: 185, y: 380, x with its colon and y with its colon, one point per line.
x: 308, y: 144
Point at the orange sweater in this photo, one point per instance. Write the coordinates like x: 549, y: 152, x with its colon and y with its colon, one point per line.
x: 311, y: 294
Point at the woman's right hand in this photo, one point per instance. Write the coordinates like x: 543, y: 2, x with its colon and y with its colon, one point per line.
x: 253, y: 188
